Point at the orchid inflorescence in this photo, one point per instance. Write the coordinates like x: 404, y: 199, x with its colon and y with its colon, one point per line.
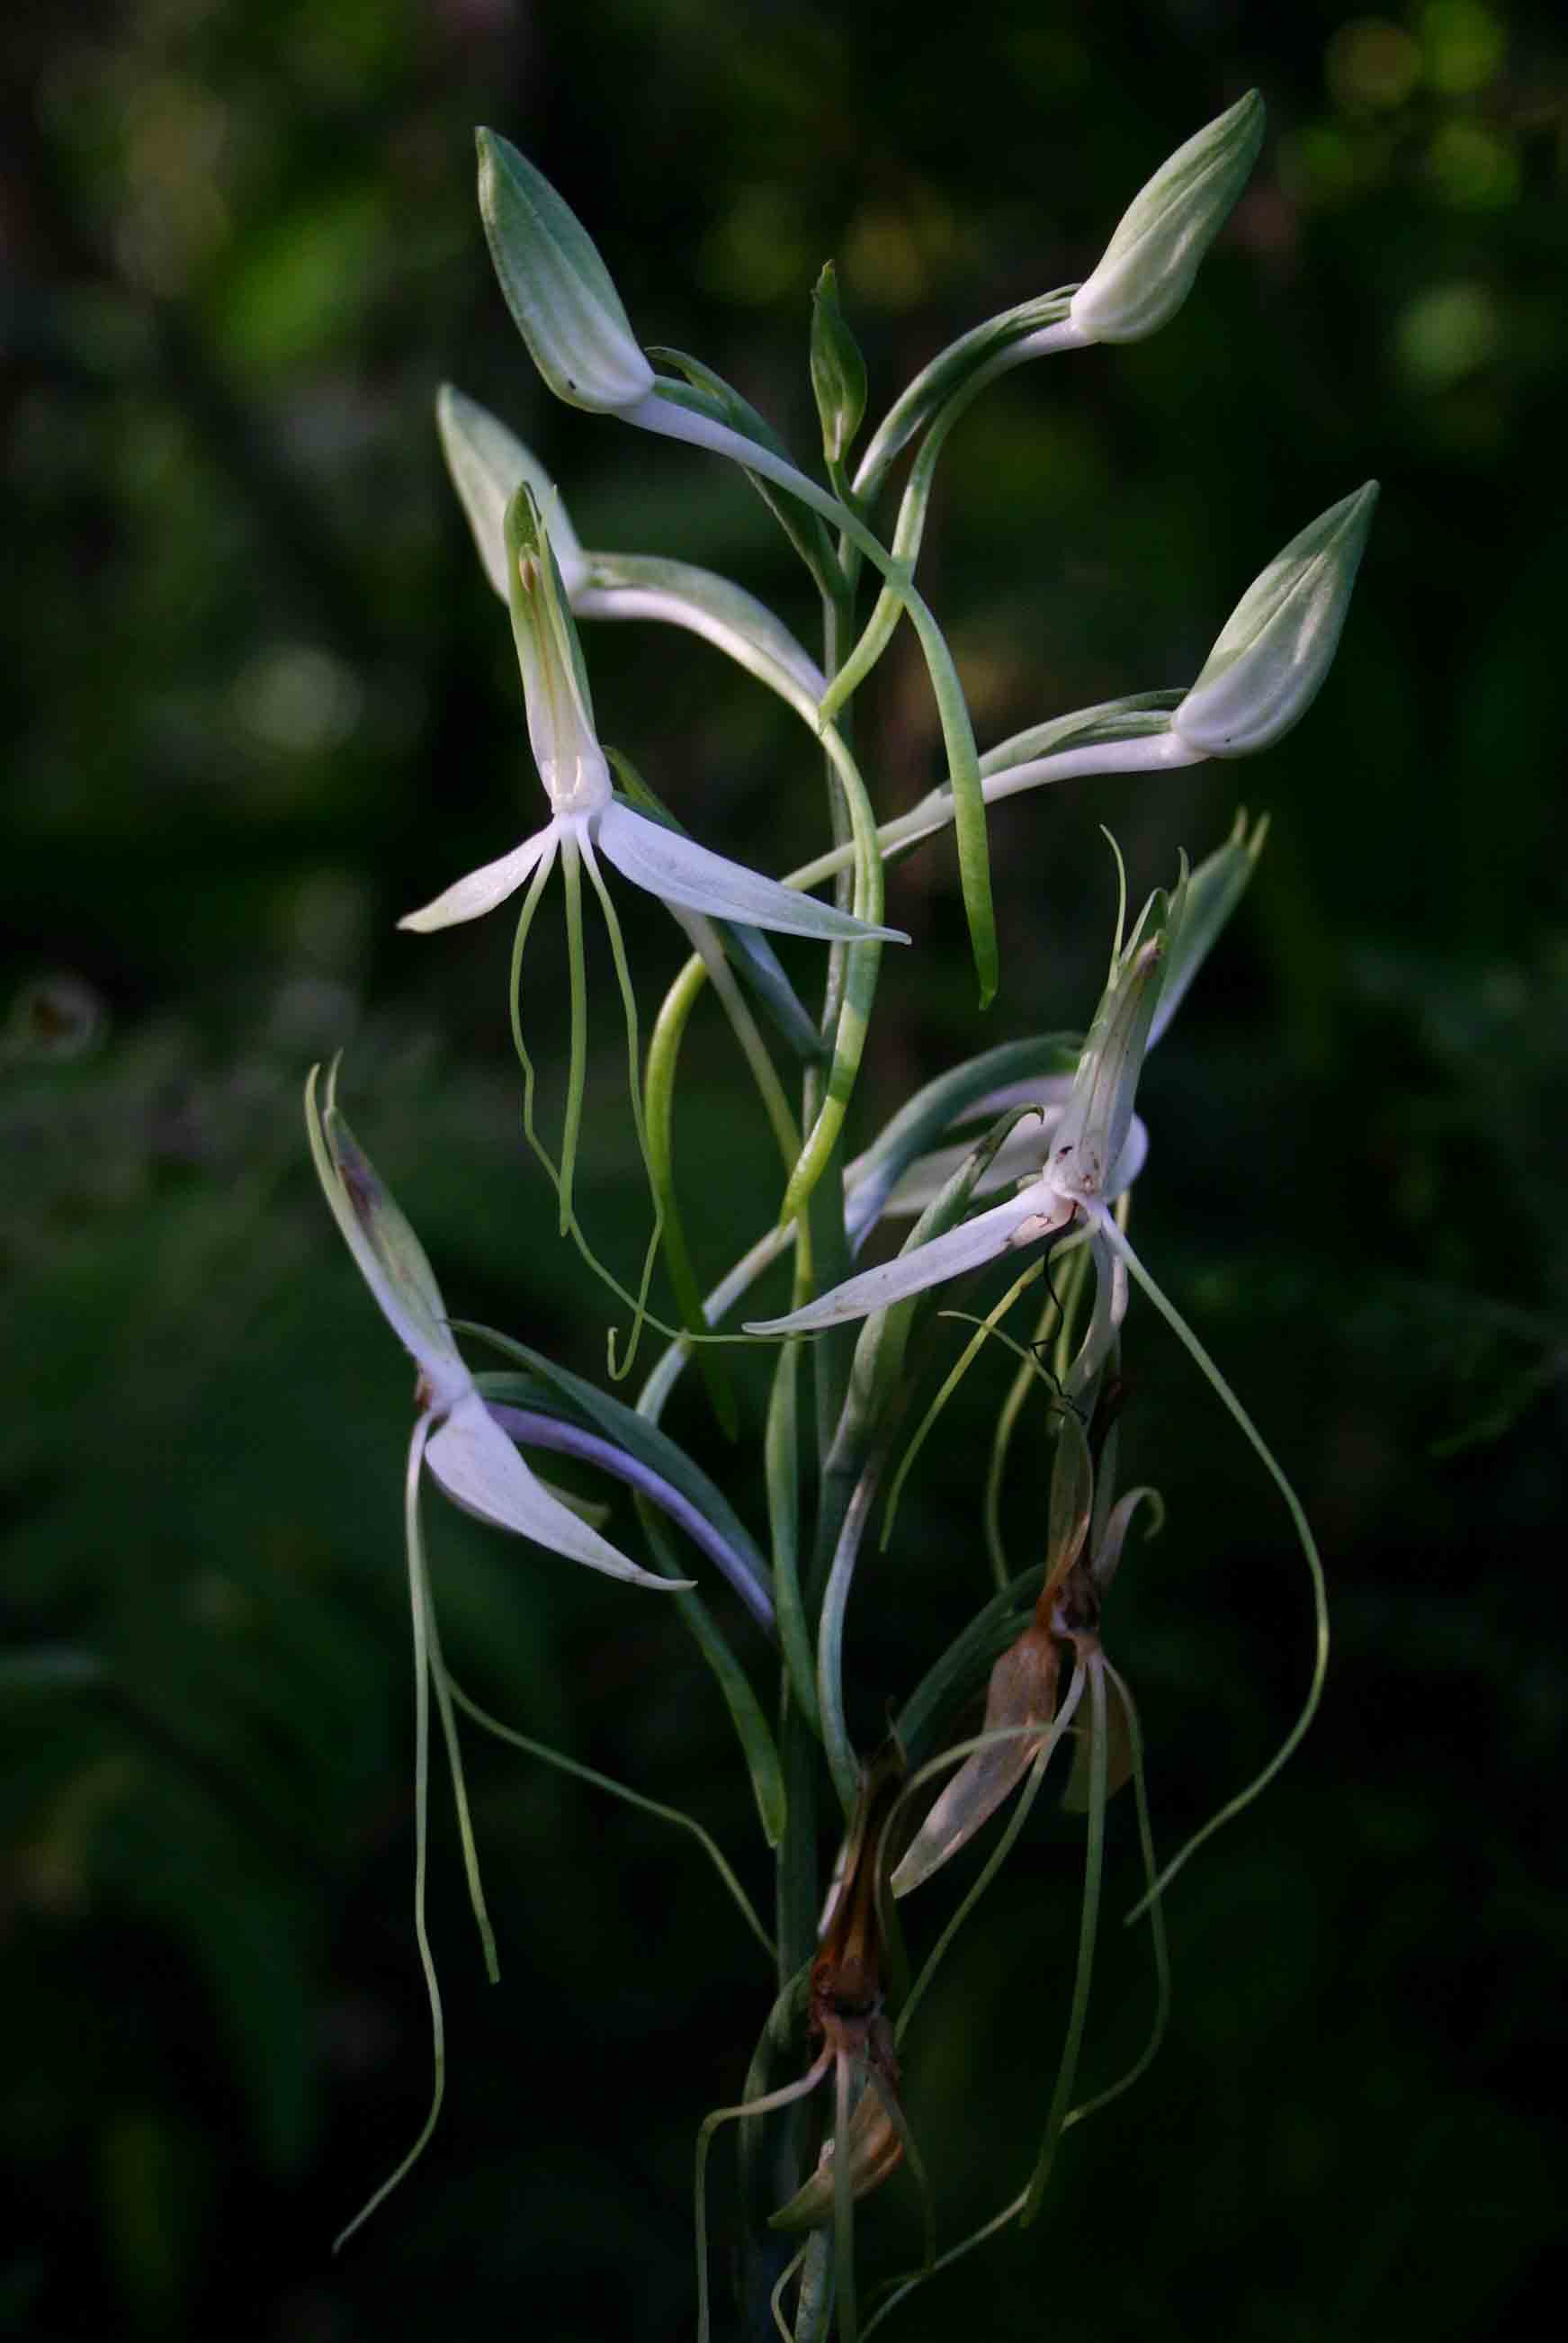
x: 1027, y: 1155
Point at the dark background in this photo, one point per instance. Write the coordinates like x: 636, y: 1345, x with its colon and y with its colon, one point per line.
x: 262, y: 702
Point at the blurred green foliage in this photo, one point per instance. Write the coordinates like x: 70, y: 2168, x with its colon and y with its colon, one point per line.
x: 262, y: 701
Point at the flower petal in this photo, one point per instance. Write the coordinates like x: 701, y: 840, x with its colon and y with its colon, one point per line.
x: 1021, y: 1219
x: 681, y: 871
x: 483, y: 889
x: 479, y: 1469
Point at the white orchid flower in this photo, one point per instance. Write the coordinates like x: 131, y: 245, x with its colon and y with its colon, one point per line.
x: 584, y: 811
x: 472, y: 1460
x: 488, y: 463
x: 1091, y: 1152
x: 587, y: 820
x: 465, y: 1448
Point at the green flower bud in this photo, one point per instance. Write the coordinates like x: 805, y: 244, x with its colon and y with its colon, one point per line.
x: 1147, y: 267
x: 838, y: 369
x: 1264, y: 672
x: 488, y: 463
x: 558, y: 289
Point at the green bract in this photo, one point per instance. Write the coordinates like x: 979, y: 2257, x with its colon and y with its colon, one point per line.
x: 1265, y: 671
x: 1147, y: 269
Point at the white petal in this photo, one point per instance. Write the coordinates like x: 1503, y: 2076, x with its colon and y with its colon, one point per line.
x: 1021, y: 1219
x: 482, y: 890
x: 681, y: 871
x: 479, y: 1469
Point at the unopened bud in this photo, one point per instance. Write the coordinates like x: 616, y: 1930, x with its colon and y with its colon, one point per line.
x: 559, y: 290
x: 838, y: 369
x: 1266, y: 669
x: 1147, y: 269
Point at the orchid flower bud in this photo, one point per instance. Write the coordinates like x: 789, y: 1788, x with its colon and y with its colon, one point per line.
x: 838, y: 369
x: 1265, y: 671
x: 556, y: 287
x: 1147, y: 269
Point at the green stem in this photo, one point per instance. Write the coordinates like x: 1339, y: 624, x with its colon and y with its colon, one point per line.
x: 781, y: 1460
x: 1088, y: 1930
x: 663, y: 1053
x: 952, y: 709
x: 634, y: 1086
